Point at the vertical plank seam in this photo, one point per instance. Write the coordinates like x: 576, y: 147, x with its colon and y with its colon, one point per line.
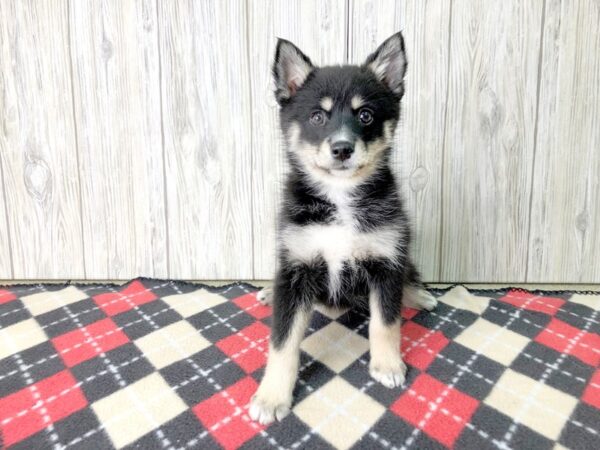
x: 441, y: 231
x: 162, y: 137
x: 251, y: 137
x: 347, y: 44
x: 8, y: 233
x: 76, y: 136
x: 535, y: 138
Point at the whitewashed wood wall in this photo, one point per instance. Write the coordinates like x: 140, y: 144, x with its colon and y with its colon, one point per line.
x: 139, y: 137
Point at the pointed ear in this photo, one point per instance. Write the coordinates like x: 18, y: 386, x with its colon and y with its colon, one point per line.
x: 388, y: 63
x: 290, y: 70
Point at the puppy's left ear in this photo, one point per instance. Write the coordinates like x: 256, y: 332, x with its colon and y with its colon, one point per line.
x: 388, y: 63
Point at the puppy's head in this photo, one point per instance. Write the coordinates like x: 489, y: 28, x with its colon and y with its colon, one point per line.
x: 339, y: 121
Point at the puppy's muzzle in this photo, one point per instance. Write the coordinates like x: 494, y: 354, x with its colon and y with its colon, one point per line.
x: 342, y: 150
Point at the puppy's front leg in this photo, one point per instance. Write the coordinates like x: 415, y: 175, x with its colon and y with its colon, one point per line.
x: 386, y: 364
x: 273, y: 398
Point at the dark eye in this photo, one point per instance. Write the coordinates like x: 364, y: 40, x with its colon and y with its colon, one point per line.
x: 365, y: 116
x: 318, y: 118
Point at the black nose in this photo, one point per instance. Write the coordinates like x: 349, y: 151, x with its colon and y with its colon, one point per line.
x: 342, y: 150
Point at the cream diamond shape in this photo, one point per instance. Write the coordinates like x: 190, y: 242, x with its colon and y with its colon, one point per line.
x: 193, y: 302
x: 548, y: 410
x: 20, y: 336
x: 332, y: 313
x: 339, y: 412
x: 171, y: 343
x: 335, y: 346
x: 591, y: 301
x: 137, y: 409
x: 497, y: 343
x: 43, y: 302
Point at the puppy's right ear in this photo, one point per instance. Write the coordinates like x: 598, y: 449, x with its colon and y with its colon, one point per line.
x: 290, y: 70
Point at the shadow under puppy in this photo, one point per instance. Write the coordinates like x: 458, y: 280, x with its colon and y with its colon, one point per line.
x: 343, y: 236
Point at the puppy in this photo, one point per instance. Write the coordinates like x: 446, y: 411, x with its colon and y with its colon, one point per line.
x: 343, y: 235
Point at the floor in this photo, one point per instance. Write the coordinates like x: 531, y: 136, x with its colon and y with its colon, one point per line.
x: 502, y: 369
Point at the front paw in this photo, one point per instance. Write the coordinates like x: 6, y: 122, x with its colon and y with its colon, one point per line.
x: 390, y: 374
x: 265, y: 409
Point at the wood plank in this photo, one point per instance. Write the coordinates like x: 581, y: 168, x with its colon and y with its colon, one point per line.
x: 489, y: 143
x: 37, y: 141
x: 6, y: 270
x: 564, y: 243
x: 319, y: 29
x: 114, y: 47
x: 207, y: 129
x: 418, y: 155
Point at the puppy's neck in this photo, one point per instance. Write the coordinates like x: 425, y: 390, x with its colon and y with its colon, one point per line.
x: 339, y: 191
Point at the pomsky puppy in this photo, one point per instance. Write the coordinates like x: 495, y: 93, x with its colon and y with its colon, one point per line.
x: 343, y: 235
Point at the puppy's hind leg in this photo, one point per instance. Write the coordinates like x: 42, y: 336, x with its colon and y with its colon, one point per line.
x: 417, y: 297
x: 414, y: 294
x: 265, y: 295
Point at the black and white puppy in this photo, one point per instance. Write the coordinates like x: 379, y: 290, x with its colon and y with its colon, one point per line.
x: 343, y: 237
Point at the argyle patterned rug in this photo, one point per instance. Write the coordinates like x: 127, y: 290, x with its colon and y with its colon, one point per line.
x: 163, y: 364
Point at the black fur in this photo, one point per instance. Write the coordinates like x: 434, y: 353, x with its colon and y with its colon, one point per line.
x: 375, y: 203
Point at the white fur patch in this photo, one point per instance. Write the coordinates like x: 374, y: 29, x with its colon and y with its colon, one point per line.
x: 338, y: 243
x: 356, y: 102
x: 418, y: 298
x: 327, y: 103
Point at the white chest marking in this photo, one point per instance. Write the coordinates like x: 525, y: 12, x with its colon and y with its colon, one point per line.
x: 337, y: 244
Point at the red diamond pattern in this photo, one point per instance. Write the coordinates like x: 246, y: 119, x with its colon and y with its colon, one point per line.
x: 87, y: 342
x: 437, y: 409
x: 248, y: 346
x: 252, y: 306
x: 224, y: 416
x: 533, y: 302
x: 565, y: 338
x: 35, y: 407
x: 135, y: 294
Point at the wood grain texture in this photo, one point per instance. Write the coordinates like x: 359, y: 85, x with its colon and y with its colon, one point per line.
x: 6, y: 270
x: 564, y: 244
x: 37, y: 141
x: 489, y: 143
x: 114, y: 48
x: 319, y: 29
x: 207, y: 133
x: 420, y: 138
x: 141, y: 137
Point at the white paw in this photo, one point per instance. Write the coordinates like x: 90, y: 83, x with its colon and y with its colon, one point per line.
x: 419, y: 299
x: 265, y: 411
x: 265, y: 295
x: 390, y: 375
x: 427, y: 301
